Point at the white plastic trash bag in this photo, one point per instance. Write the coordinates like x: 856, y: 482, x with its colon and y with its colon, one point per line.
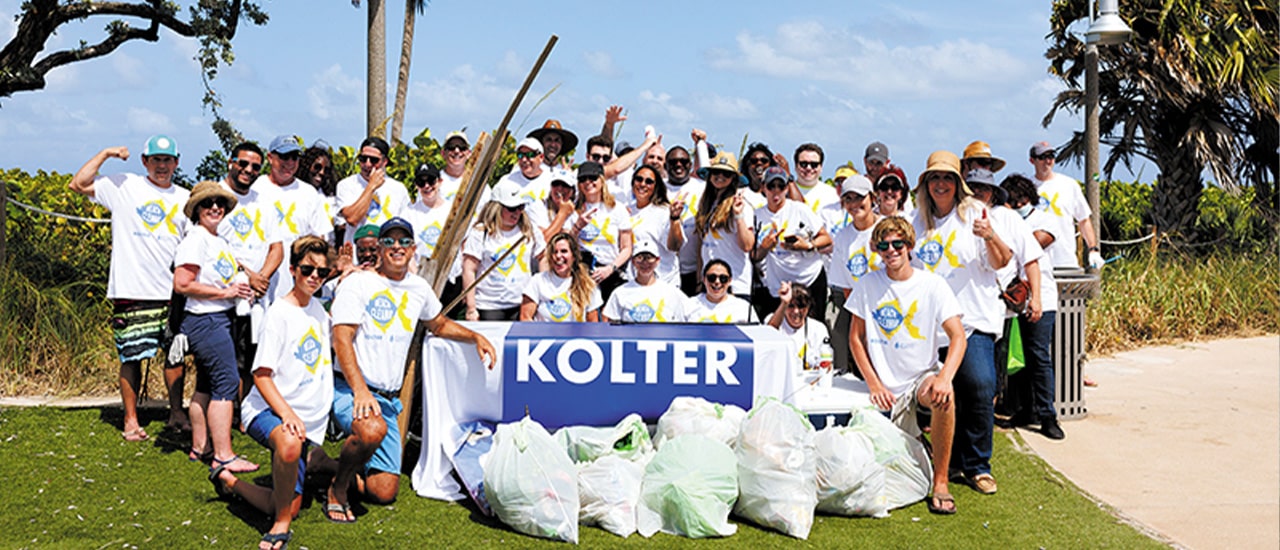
x: 530, y: 483
x: 908, y: 472
x: 776, y: 469
x: 695, y: 415
x: 689, y: 488
x: 609, y: 490
x: 629, y: 439
x: 850, y: 481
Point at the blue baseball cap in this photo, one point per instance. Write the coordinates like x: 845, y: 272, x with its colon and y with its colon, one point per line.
x: 161, y: 144
x: 284, y: 144
x: 395, y: 223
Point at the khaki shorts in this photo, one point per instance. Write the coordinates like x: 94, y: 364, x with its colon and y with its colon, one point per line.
x: 904, y: 409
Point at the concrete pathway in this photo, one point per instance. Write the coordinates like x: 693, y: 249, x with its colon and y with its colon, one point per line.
x: 1184, y: 439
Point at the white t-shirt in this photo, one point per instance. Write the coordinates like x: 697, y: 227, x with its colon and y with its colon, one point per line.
x: 428, y: 224
x: 504, y: 286
x: 824, y: 202
x: 658, y: 302
x: 1017, y: 235
x: 295, y: 348
x: 721, y: 244
x: 731, y: 309
x: 653, y: 223
x: 808, y: 339
x: 534, y: 189
x: 1064, y: 203
x: 551, y: 293
x: 1039, y: 221
x: 250, y: 228
x: 852, y: 256
x: 449, y: 186
x: 689, y: 194
x: 602, y: 232
x: 903, y: 324
x: 217, y: 266
x: 388, y: 201
x: 780, y: 264
x: 299, y: 209
x: 147, y: 224
x: 384, y: 312
x: 956, y: 254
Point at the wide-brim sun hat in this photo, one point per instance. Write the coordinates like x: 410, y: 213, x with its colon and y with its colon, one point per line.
x: 205, y: 190
x: 946, y: 162
x: 982, y: 176
x: 981, y: 150
x: 568, y: 140
x: 724, y: 162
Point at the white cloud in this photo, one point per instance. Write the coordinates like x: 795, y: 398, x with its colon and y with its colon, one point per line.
x: 336, y: 96
x: 717, y: 106
x: 464, y: 91
x: 145, y: 121
x: 129, y: 70
x: 512, y: 65
x: 601, y: 63
x: 660, y: 106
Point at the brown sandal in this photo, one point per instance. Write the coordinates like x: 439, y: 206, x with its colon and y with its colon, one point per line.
x: 937, y: 504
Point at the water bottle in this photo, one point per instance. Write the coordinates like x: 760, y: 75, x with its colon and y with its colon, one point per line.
x: 242, y: 304
x: 825, y: 354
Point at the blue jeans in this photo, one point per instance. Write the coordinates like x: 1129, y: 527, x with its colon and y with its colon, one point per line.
x: 1037, y: 341
x: 975, y: 386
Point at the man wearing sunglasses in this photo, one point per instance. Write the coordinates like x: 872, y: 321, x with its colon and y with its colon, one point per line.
x: 455, y: 150
x: 685, y: 188
x: 371, y: 196
x: 146, y: 226
x: 250, y: 232
x: 374, y: 313
x: 1064, y: 202
x: 529, y: 175
x: 299, y: 207
x: 897, y: 314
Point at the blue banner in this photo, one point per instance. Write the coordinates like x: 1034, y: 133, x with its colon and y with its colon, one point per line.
x: 595, y: 374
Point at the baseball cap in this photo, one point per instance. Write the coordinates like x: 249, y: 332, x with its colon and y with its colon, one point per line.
x: 395, y: 223
x: 622, y: 148
x: 645, y: 246
x: 458, y: 134
x: 161, y: 144
x: 365, y: 231
x: 530, y: 143
x: 1041, y: 148
x: 426, y: 171
x: 284, y: 144
x: 507, y: 193
x: 590, y: 169
x: 877, y: 151
x: 844, y: 171
x: 775, y: 173
x: 856, y: 183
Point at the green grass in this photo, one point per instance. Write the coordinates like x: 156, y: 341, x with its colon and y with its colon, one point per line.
x: 71, y: 482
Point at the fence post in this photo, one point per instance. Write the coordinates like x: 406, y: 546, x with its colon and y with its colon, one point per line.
x: 4, y: 221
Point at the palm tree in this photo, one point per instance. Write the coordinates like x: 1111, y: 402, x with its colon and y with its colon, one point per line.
x: 1195, y: 88
x: 411, y: 10
x: 375, y: 67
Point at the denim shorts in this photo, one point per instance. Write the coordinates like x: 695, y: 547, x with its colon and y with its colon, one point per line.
x: 260, y: 430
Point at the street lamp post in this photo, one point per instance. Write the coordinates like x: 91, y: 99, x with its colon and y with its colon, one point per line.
x: 1106, y: 29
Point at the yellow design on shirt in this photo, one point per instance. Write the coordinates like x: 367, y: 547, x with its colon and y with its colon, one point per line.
x: 286, y: 216
x: 1051, y: 204
x: 889, y: 319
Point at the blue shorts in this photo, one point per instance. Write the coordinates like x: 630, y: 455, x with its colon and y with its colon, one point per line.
x: 260, y: 430
x: 209, y: 340
x: 387, y: 457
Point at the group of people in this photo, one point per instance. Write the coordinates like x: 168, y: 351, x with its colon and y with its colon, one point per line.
x: 276, y: 276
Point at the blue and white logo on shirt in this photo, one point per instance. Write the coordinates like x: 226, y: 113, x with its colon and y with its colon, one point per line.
x: 308, y: 351
x: 888, y: 317
x: 559, y: 308
x: 225, y: 266
x: 241, y: 224
x: 430, y: 235
x: 641, y: 313
x: 930, y: 252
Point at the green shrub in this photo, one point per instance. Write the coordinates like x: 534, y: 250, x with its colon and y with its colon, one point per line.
x: 56, y: 339
x: 1225, y: 217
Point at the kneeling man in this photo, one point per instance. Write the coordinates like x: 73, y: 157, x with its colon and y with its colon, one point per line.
x: 373, y: 322
x: 896, y: 316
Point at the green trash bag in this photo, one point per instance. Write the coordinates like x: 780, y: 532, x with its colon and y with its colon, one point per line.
x: 629, y: 439
x: 530, y: 482
x: 689, y: 488
x: 1016, y: 359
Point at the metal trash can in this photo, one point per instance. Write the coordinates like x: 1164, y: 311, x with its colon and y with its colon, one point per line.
x: 1075, y: 289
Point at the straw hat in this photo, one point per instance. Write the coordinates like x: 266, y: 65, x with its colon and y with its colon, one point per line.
x: 205, y: 190
x: 943, y: 161
x: 981, y: 150
x: 725, y: 162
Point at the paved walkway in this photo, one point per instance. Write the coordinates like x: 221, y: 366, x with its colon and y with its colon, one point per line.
x: 1184, y: 439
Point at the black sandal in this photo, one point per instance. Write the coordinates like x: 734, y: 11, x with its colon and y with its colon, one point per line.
x: 940, y: 501
x: 278, y: 538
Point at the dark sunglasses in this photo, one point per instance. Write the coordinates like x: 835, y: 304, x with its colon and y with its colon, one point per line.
x: 526, y: 155
x: 289, y: 156
x: 808, y: 164
x: 646, y: 181
x: 775, y: 185
x: 513, y: 209
x: 369, y: 159
x: 759, y: 160
x: 320, y: 167
x: 983, y: 162
x: 1046, y: 156
x: 307, y: 270
x: 897, y: 244
x: 243, y: 164
x: 679, y: 162
x: 722, y: 279
x: 455, y: 147
x: 600, y: 158
x: 389, y: 242
x: 889, y: 187
x: 427, y: 182
x: 209, y: 202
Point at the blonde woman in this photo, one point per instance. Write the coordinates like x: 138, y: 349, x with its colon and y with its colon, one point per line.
x: 502, y: 224
x: 565, y: 292
x: 603, y: 228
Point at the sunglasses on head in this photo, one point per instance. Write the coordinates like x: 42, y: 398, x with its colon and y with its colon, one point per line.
x: 897, y: 244
x: 526, y: 154
x: 808, y: 164
x: 307, y: 270
x: 722, y: 279
x: 243, y: 164
x: 388, y: 242
x: 209, y: 202
x: 368, y: 158
x: 455, y: 147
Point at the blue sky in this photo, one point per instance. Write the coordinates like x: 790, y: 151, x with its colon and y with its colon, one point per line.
x: 919, y: 76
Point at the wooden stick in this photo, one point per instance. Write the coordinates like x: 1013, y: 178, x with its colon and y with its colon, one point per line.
x: 456, y: 227
x: 486, y: 272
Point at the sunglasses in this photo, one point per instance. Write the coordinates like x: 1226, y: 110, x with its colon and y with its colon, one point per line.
x: 645, y: 181
x: 513, y: 209
x: 808, y: 164
x: 526, y: 155
x: 369, y: 159
x: 455, y: 147
x: 759, y: 160
x: 983, y: 162
x: 600, y: 158
x: 722, y: 279
x: 798, y: 304
x: 1046, y: 156
x: 593, y: 179
x: 307, y: 270
x: 209, y: 202
x: 403, y: 242
x: 897, y: 244
x: 289, y: 157
x: 679, y: 162
x: 427, y: 182
x: 317, y: 167
x: 243, y: 164
x: 775, y: 185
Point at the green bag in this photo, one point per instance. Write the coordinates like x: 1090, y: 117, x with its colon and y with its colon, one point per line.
x: 1016, y: 359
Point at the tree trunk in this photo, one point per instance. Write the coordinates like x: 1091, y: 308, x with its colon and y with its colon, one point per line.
x: 402, y: 82
x: 376, y: 78
x: 1176, y: 198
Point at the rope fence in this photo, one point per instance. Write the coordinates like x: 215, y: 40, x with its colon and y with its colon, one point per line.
x: 37, y: 210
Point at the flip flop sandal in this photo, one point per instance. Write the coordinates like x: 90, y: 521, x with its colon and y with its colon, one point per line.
x: 940, y: 508
x: 241, y: 470
x: 205, y: 457
x: 215, y: 477
x: 135, y: 435
x: 278, y: 538
x: 344, y: 509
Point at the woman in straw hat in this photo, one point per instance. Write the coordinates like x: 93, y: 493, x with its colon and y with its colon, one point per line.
x: 725, y: 221
x: 205, y: 273
x: 955, y: 239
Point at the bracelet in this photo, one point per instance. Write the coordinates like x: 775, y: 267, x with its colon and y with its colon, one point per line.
x: 675, y: 218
